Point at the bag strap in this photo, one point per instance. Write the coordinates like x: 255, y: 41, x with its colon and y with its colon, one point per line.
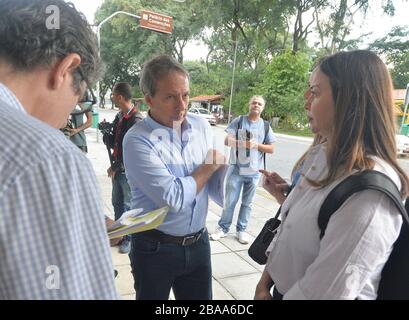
x: 239, y: 126
x: 368, y: 179
x: 266, y: 129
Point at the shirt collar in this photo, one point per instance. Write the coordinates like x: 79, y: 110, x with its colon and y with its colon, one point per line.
x: 186, y: 125
x: 8, y: 97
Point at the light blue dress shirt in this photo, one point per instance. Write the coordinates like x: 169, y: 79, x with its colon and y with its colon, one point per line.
x: 53, y: 240
x: 158, y: 165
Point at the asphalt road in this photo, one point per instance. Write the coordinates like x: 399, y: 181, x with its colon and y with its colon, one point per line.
x: 287, y: 151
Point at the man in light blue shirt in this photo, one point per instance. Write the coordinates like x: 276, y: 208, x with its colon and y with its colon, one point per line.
x: 53, y: 240
x: 250, y: 138
x: 168, y: 161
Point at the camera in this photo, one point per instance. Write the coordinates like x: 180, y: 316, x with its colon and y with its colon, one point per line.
x: 106, y: 129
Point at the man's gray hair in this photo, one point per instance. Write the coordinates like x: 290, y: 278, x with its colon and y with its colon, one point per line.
x: 27, y: 42
x: 155, y: 69
x: 257, y: 97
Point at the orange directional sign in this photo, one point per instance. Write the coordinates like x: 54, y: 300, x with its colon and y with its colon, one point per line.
x: 156, y: 21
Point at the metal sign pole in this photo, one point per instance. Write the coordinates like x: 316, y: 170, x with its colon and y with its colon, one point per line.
x: 406, y: 102
x: 232, y: 81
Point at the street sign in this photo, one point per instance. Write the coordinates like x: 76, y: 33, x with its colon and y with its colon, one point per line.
x: 156, y: 21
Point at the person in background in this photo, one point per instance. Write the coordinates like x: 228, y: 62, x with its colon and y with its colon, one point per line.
x: 127, y: 116
x: 245, y: 133
x: 78, y: 126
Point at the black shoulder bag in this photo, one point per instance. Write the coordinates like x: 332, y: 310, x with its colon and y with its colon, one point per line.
x: 257, y: 250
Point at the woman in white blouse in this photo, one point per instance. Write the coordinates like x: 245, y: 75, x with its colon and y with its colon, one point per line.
x: 349, y: 104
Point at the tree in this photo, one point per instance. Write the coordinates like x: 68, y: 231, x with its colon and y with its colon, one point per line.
x: 301, y: 31
x: 395, y: 46
x: 283, y: 83
x: 334, y: 30
x: 125, y: 46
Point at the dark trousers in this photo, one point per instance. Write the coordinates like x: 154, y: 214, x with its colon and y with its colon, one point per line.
x: 121, y: 196
x: 159, y: 266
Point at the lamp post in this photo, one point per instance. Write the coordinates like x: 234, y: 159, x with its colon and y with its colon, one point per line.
x: 232, y: 80
x: 99, y: 47
x: 405, y: 103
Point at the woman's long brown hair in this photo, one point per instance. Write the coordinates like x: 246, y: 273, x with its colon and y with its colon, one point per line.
x: 364, y: 117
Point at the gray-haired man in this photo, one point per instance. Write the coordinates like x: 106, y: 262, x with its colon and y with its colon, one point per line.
x: 52, y: 231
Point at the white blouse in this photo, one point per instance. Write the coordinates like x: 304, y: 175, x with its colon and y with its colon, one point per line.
x: 347, y: 262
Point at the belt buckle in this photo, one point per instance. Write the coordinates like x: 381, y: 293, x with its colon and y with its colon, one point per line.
x: 186, y: 239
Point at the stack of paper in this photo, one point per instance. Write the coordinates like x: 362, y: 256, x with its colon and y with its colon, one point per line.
x: 216, y: 185
x: 133, y: 221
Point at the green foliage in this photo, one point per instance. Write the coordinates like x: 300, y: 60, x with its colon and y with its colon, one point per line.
x: 202, y: 82
x: 125, y: 46
x: 283, y: 83
x: 400, y: 71
x: 396, y: 48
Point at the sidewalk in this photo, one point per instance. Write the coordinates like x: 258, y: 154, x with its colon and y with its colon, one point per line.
x: 235, y: 275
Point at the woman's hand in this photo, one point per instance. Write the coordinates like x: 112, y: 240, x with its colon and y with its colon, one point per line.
x: 275, y: 185
x: 263, y: 287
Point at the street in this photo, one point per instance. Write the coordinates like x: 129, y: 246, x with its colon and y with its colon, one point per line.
x: 286, y: 152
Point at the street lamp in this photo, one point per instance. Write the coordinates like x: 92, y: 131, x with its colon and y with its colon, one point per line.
x: 405, y: 103
x: 99, y: 47
x: 232, y: 80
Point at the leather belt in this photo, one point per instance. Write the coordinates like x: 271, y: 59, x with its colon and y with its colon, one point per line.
x: 181, y: 240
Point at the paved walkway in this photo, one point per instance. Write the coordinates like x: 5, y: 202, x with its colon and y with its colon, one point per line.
x: 235, y: 275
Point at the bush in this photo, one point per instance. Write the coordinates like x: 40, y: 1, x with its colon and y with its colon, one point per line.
x: 283, y: 83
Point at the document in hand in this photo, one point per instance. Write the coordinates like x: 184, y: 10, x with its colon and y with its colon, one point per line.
x: 133, y: 221
x: 216, y: 185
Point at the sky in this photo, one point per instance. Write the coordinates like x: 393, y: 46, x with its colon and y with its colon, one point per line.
x: 376, y: 22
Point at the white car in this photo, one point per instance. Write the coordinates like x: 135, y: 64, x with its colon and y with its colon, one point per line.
x: 204, y: 113
x: 402, y: 143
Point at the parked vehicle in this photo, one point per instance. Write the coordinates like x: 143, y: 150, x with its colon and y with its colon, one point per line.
x: 402, y: 143
x: 204, y: 113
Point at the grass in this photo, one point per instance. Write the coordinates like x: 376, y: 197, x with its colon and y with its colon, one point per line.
x: 294, y: 132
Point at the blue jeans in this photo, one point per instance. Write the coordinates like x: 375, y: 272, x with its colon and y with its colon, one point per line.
x: 159, y: 266
x: 121, y: 196
x: 234, y: 183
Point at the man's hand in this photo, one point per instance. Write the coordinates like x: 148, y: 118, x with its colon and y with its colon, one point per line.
x: 251, y: 144
x: 215, y: 158
x: 113, y: 242
x: 275, y: 185
x: 73, y: 131
x: 111, y: 172
x: 214, y: 161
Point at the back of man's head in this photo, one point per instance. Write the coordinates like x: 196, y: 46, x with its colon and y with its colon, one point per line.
x: 36, y: 34
x: 124, y: 89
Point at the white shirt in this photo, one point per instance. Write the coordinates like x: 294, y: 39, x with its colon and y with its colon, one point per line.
x: 53, y: 241
x: 347, y: 262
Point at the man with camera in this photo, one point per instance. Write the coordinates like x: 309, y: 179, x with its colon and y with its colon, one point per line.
x: 249, y: 137
x: 124, y: 120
